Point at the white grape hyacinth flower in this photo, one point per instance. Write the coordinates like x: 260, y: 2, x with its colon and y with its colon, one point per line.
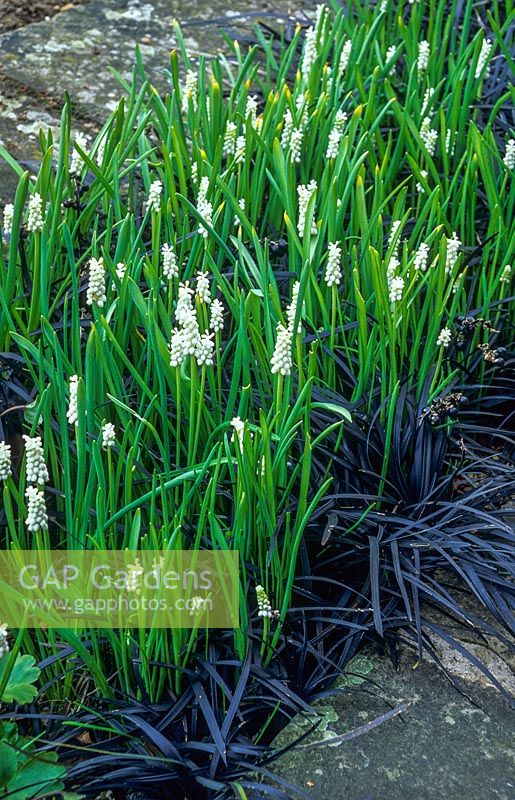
x: 428, y: 135
x: 184, y: 303
x: 305, y: 193
x: 444, y: 338
x: 287, y: 130
x: 241, y: 206
x: 421, y: 257
x: 281, y: 362
x: 291, y: 311
x: 170, y: 267
x: 154, y: 195
x: 264, y: 605
x: 483, y: 58
x: 424, y: 53
x: 76, y: 162
x: 297, y: 137
x: 333, y: 270
x: 393, y: 231
x: 191, y: 340
x: 238, y: 426
x: 426, y: 102
x: 37, y: 518
x: 506, y: 274
x: 108, y: 435
x: 35, y: 213
x: 310, y: 51
x: 36, y: 468
x: 389, y: 55
x: 241, y: 144
x: 4, y: 644
x: 120, y: 270
x: 216, y: 322
x: 205, y: 350
x: 453, y: 251
x: 509, y: 156
x: 96, y: 291
x: 345, y: 57
x: 5, y: 461
x: 190, y: 90
x: 251, y: 107
x: 333, y: 144
x: 7, y: 225
x: 177, y: 353
x: 229, y: 147
x: 73, y: 413
x: 204, y: 207
x: 391, y: 268
x: 396, y: 288
x: 420, y: 187
x: 203, y: 290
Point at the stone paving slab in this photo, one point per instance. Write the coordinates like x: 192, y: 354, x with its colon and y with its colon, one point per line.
x: 73, y: 51
x: 442, y: 746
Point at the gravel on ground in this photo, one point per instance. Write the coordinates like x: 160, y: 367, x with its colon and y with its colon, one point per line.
x: 17, y: 13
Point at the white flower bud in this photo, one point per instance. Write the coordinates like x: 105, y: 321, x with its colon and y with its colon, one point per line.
x: 176, y: 348
x: 333, y: 270
x: 108, y: 435
x: 287, y: 129
x: 190, y: 90
x: 204, y: 207
x: 154, y: 195
x: 230, y: 139
x: 205, y: 350
x: 184, y: 303
x: 191, y: 341
x: 203, y: 291
x: 36, y: 468
x: 506, y: 274
x: 96, y: 291
x: 509, y: 156
x: 291, y: 311
x: 216, y: 322
x: 170, y: 268
x: 310, y: 51
x: 241, y: 143
x: 424, y: 52
x: 421, y: 257
x: 428, y: 135
x: 444, y: 338
x: 396, y: 287
x: 8, y: 220
x: 4, y: 644
x: 37, y: 518
x: 296, y: 145
x: 345, y: 57
x: 453, y: 251
x: 305, y: 193
x: 73, y: 413
x: 281, y: 359
x: 76, y: 162
x: 35, y: 213
x: 5, y: 461
x: 389, y: 55
x: 483, y: 58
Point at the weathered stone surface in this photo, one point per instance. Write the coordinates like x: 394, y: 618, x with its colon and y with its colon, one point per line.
x: 442, y: 746
x: 73, y: 51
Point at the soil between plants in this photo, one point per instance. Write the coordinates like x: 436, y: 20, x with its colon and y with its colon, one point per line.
x: 17, y: 13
